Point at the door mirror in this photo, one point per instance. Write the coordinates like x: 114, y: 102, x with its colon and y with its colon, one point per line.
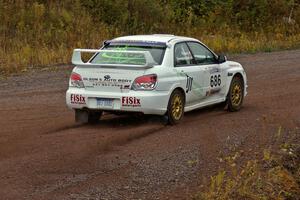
x: 222, y: 58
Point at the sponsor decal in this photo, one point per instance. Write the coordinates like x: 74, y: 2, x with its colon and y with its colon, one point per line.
x: 214, y: 70
x: 138, y: 43
x: 77, y: 99
x: 106, y: 77
x: 189, y: 83
x: 233, y: 65
x: 107, y: 81
x: 131, y: 102
x: 125, y: 86
x: 212, y: 91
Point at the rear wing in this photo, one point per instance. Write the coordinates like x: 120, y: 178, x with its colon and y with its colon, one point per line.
x: 148, y: 59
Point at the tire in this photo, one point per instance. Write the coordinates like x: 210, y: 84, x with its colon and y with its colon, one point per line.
x: 235, y: 95
x: 175, y: 110
x: 85, y: 116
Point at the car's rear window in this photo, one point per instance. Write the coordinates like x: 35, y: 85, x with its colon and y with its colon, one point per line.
x: 157, y: 51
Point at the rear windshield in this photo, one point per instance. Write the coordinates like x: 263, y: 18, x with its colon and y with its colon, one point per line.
x: 156, y: 51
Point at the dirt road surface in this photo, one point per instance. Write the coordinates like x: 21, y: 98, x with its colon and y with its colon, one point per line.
x: 45, y: 155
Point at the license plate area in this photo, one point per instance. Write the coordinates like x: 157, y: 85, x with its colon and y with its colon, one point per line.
x: 104, y: 103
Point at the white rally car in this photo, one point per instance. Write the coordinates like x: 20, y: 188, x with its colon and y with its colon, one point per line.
x: 153, y: 74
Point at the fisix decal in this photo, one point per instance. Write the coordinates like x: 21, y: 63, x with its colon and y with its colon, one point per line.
x: 77, y: 99
x: 131, y: 102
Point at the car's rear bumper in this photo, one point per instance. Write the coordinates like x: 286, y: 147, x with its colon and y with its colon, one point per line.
x: 147, y: 102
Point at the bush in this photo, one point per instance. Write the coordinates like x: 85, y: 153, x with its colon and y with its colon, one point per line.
x: 276, y: 175
x: 38, y: 32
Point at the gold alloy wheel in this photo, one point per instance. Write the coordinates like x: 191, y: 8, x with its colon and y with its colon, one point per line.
x: 177, y: 106
x: 236, y: 94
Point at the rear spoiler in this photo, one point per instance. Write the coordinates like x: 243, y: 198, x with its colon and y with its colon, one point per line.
x: 77, y: 60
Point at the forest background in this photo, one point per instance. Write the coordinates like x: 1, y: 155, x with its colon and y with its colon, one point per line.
x: 37, y: 33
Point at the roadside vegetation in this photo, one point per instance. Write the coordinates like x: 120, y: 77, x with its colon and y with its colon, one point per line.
x: 37, y: 33
x: 274, y: 175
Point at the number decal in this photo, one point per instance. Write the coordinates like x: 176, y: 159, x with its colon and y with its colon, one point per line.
x: 189, y: 83
x: 219, y: 79
x: 215, y: 80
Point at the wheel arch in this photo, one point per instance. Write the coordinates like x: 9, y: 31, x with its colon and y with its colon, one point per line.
x: 173, y: 118
x: 238, y: 74
x: 235, y: 74
x: 181, y: 90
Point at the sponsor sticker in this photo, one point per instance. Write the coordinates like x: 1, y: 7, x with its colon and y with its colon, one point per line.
x: 125, y: 86
x: 214, y: 70
x: 107, y: 81
x: 77, y: 99
x: 212, y: 91
x: 131, y: 102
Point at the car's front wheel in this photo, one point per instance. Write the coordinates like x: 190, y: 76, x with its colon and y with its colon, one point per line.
x: 236, y: 94
x: 176, y: 104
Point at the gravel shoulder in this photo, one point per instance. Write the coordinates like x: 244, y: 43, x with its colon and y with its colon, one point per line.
x: 45, y: 155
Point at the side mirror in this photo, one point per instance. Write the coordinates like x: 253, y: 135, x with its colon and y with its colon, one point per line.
x: 222, y: 58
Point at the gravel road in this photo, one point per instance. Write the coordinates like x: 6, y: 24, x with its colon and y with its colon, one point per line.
x: 45, y: 155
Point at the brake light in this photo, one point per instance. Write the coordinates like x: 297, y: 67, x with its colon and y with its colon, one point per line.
x: 147, y: 82
x: 76, y: 80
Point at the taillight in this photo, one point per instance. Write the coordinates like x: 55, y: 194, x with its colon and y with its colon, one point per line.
x: 147, y: 82
x: 76, y: 80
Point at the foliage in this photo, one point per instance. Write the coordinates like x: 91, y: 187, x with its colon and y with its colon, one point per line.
x: 38, y: 32
x: 276, y: 175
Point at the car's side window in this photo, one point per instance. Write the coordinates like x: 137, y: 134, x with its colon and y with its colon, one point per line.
x: 201, y: 54
x: 182, y: 55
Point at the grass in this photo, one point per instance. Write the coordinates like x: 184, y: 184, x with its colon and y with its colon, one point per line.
x: 247, y: 43
x: 275, y: 175
x: 21, y: 57
x: 34, y: 34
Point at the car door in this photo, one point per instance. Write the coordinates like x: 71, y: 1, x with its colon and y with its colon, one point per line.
x: 213, y: 76
x: 185, y: 65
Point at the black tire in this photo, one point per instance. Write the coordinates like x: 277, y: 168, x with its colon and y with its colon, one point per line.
x: 175, y: 110
x: 235, y: 95
x: 86, y: 116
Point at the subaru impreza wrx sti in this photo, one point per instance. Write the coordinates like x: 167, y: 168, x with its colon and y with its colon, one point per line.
x: 153, y: 74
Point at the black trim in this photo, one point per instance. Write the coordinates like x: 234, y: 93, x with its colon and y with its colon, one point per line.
x: 194, y: 60
x: 174, y: 60
x: 205, y: 47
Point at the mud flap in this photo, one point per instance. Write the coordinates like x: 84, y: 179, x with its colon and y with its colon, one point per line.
x: 81, y: 116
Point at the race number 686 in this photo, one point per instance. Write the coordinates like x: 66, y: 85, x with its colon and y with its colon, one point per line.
x: 215, y: 80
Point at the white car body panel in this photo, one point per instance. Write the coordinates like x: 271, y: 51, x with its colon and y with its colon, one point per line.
x: 119, y: 87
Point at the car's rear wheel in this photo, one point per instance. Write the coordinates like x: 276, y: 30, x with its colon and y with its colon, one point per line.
x: 236, y: 94
x: 176, y: 104
x: 87, y: 116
